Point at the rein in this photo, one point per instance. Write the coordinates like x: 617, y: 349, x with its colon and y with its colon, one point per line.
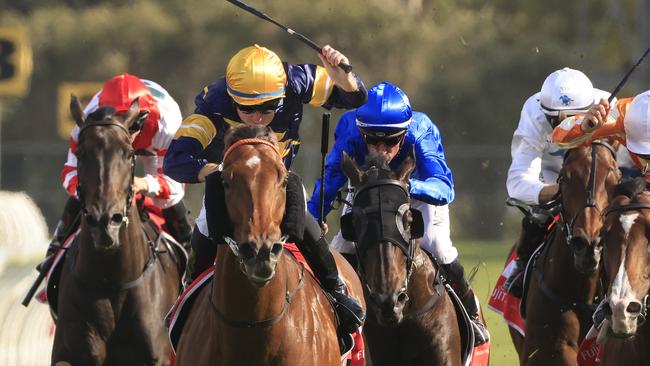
x: 266, y: 322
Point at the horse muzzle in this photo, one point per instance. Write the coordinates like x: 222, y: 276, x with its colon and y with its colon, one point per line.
x: 391, y: 309
x: 259, y: 265
x: 586, y: 254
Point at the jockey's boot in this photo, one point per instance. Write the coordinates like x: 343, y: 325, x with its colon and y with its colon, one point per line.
x: 455, y: 274
x: 68, y: 222
x: 532, y: 235
x: 202, y: 255
x: 178, y: 224
x: 351, y: 315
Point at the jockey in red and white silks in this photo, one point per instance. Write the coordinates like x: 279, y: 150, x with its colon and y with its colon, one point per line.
x: 154, y: 138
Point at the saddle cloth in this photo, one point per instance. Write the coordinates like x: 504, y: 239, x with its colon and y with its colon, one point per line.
x: 590, y: 351
x: 503, y: 303
x: 353, y: 356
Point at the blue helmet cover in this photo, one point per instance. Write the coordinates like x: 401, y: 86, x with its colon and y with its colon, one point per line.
x: 388, y: 109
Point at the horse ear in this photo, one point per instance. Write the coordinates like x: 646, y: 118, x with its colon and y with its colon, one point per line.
x: 351, y: 170
x: 76, y: 111
x: 134, y: 115
x: 407, y: 167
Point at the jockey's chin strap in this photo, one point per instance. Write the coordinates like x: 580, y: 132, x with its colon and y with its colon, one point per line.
x: 129, y: 199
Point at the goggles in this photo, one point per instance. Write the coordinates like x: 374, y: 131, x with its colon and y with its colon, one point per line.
x: 271, y: 106
x: 388, y: 140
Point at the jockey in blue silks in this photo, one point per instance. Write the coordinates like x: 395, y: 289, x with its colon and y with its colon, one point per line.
x: 387, y: 126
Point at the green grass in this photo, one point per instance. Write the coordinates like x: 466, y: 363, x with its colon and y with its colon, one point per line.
x: 490, y: 256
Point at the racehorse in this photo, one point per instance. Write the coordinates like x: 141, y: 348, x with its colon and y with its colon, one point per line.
x: 624, y: 333
x: 115, y: 285
x: 564, y: 279
x: 411, y: 318
x: 262, y: 307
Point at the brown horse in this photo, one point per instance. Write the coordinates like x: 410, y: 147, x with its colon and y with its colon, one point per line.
x: 564, y: 279
x: 115, y: 285
x: 627, y: 266
x: 261, y: 308
x: 411, y: 318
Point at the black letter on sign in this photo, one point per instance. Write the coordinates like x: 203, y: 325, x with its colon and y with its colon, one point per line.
x: 7, y: 70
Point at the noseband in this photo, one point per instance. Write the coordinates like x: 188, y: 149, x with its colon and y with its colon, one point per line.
x: 106, y: 122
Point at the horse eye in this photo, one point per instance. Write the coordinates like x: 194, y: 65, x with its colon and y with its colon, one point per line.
x: 117, y: 218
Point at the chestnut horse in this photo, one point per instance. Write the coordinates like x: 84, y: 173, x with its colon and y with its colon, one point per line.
x: 624, y: 333
x: 115, y: 285
x: 411, y: 318
x: 261, y: 308
x: 564, y: 279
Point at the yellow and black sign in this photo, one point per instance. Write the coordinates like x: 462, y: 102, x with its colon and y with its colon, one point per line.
x: 84, y: 91
x: 15, y: 61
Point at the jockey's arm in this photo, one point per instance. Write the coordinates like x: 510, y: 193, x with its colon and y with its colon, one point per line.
x: 432, y: 181
x: 164, y: 191
x: 181, y: 161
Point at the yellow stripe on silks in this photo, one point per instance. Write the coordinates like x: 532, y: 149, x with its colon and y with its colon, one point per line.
x: 323, y: 87
x: 205, y: 92
x: 232, y: 123
x: 285, y: 146
x: 198, y: 127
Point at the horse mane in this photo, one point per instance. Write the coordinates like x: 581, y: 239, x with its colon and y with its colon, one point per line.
x: 249, y: 132
x: 630, y: 188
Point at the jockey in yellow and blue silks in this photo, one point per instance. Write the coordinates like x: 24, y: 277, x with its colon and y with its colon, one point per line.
x: 386, y: 125
x: 261, y: 90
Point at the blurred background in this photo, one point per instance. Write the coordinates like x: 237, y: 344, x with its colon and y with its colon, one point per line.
x: 468, y: 64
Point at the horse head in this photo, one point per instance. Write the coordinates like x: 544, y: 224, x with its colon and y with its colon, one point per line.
x: 105, y: 169
x: 627, y: 260
x: 587, y: 181
x: 385, y: 230
x: 255, y: 180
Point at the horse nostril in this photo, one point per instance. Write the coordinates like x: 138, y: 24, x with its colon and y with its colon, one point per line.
x: 402, y: 298
x: 633, y: 308
x: 276, y: 249
x: 247, y: 251
x: 117, y: 218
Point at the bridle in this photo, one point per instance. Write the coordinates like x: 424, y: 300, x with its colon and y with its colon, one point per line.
x: 567, y: 225
x: 129, y: 198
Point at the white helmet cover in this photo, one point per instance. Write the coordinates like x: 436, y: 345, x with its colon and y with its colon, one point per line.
x: 637, y: 124
x: 566, y: 90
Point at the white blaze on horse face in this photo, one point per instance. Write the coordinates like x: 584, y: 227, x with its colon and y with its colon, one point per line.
x: 253, y: 161
x: 621, y: 291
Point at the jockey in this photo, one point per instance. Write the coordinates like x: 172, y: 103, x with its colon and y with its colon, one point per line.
x: 628, y: 122
x: 386, y: 125
x: 150, y: 139
x: 537, y: 161
x: 259, y: 89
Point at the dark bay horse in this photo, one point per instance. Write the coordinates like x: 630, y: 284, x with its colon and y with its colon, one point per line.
x: 625, y: 334
x: 564, y: 280
x: 115, y: 286
x: 261, y: 308
x: 411, y: 318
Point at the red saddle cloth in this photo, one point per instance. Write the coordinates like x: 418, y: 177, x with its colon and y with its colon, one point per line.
x: 355, y: 356
x: 503, y: 303
x: 590, y: 351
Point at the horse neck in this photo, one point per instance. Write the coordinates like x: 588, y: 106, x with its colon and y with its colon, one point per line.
x: 422, y: 282
x: 123, y: 264
x: 560, y: 273
x: 238, y: 299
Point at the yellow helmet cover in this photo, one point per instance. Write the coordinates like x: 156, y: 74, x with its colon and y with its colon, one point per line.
x: 255, y: 75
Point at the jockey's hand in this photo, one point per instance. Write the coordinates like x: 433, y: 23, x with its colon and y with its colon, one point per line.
x: 596, y: 116
x: 331, y: 58
x: 140, y: 185
x: 548, y: 192
x: 324, y: 227
x: 207, y: 169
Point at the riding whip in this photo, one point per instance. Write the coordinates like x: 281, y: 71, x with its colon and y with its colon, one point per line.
x: 45, y: 267
x: 345, y: 67
x: 324, y: 144
x: 622, y: 82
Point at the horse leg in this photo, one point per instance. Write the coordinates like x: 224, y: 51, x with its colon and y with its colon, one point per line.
x: 517, y: 339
